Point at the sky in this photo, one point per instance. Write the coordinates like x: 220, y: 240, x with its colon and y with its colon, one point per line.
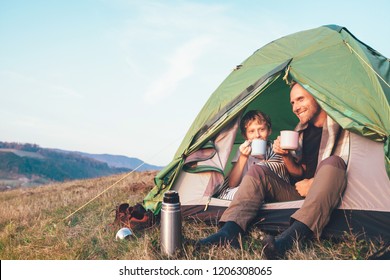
x: 129, y: 77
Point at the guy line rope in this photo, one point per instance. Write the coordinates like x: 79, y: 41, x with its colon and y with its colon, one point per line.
x: 118, y: 181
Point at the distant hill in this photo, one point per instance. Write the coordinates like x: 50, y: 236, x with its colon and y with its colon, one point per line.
x: 29, y: 165
x: 122, y: 162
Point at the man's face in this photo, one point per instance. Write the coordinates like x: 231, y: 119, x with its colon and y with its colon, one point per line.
x: 304, y: 105
x: 255, y: 130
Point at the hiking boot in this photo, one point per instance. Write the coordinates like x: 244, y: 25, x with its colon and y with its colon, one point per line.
x: 147, y: 220
x: 134, y: 217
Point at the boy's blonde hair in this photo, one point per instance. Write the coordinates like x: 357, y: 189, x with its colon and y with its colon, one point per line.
x: 252, y: 116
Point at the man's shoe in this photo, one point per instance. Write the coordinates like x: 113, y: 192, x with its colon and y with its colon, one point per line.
x: 134, y: 217
x: 148, y: 220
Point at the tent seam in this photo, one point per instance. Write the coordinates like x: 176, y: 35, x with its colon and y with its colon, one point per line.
x: 365, y: 62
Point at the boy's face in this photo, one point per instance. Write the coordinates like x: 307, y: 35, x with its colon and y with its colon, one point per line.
x: 255, y: 130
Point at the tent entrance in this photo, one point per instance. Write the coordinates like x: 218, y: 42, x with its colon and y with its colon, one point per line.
x: 207, y: 176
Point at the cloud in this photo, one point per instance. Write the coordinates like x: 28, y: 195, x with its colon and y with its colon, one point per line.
x: 162, y: 44
x: 181, y: 65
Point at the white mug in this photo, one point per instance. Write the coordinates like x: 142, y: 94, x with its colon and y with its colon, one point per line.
x: 259, y: 148
x: 123, y: 233
x: 289, y: 140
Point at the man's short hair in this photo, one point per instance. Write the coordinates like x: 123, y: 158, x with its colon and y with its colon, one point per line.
x: 292, y: 83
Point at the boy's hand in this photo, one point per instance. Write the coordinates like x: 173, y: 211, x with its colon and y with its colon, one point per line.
x: 245, y: 148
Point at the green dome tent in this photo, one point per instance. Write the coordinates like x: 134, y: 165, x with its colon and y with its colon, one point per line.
x: 350, y: 81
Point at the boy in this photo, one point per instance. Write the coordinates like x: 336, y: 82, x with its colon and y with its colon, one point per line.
x: 254, y: 125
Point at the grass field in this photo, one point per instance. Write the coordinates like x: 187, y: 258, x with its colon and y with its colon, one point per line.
x: 33, y: 227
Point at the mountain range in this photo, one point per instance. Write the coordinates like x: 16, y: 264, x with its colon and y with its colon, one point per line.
x: 23, y: 165
x: 119, y: 161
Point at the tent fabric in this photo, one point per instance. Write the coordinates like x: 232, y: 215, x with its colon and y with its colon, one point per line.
x: 349, y: 80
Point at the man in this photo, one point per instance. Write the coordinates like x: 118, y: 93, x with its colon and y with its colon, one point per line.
x: 320, y: 184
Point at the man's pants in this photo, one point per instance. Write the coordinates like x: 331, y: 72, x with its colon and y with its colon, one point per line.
x: 261, y: 185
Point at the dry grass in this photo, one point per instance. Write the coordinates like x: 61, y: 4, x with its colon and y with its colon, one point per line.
x: 32, y: 226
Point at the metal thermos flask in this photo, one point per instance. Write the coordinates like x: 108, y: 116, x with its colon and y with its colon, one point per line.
x: 171, y: 236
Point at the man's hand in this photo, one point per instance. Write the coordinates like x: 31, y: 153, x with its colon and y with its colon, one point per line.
x: 277, y: 149
x: 245, y: 148
x: 303, y: 186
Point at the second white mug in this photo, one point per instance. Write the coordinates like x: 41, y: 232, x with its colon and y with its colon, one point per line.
x: 289, y: 139
x: 259, y: 148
